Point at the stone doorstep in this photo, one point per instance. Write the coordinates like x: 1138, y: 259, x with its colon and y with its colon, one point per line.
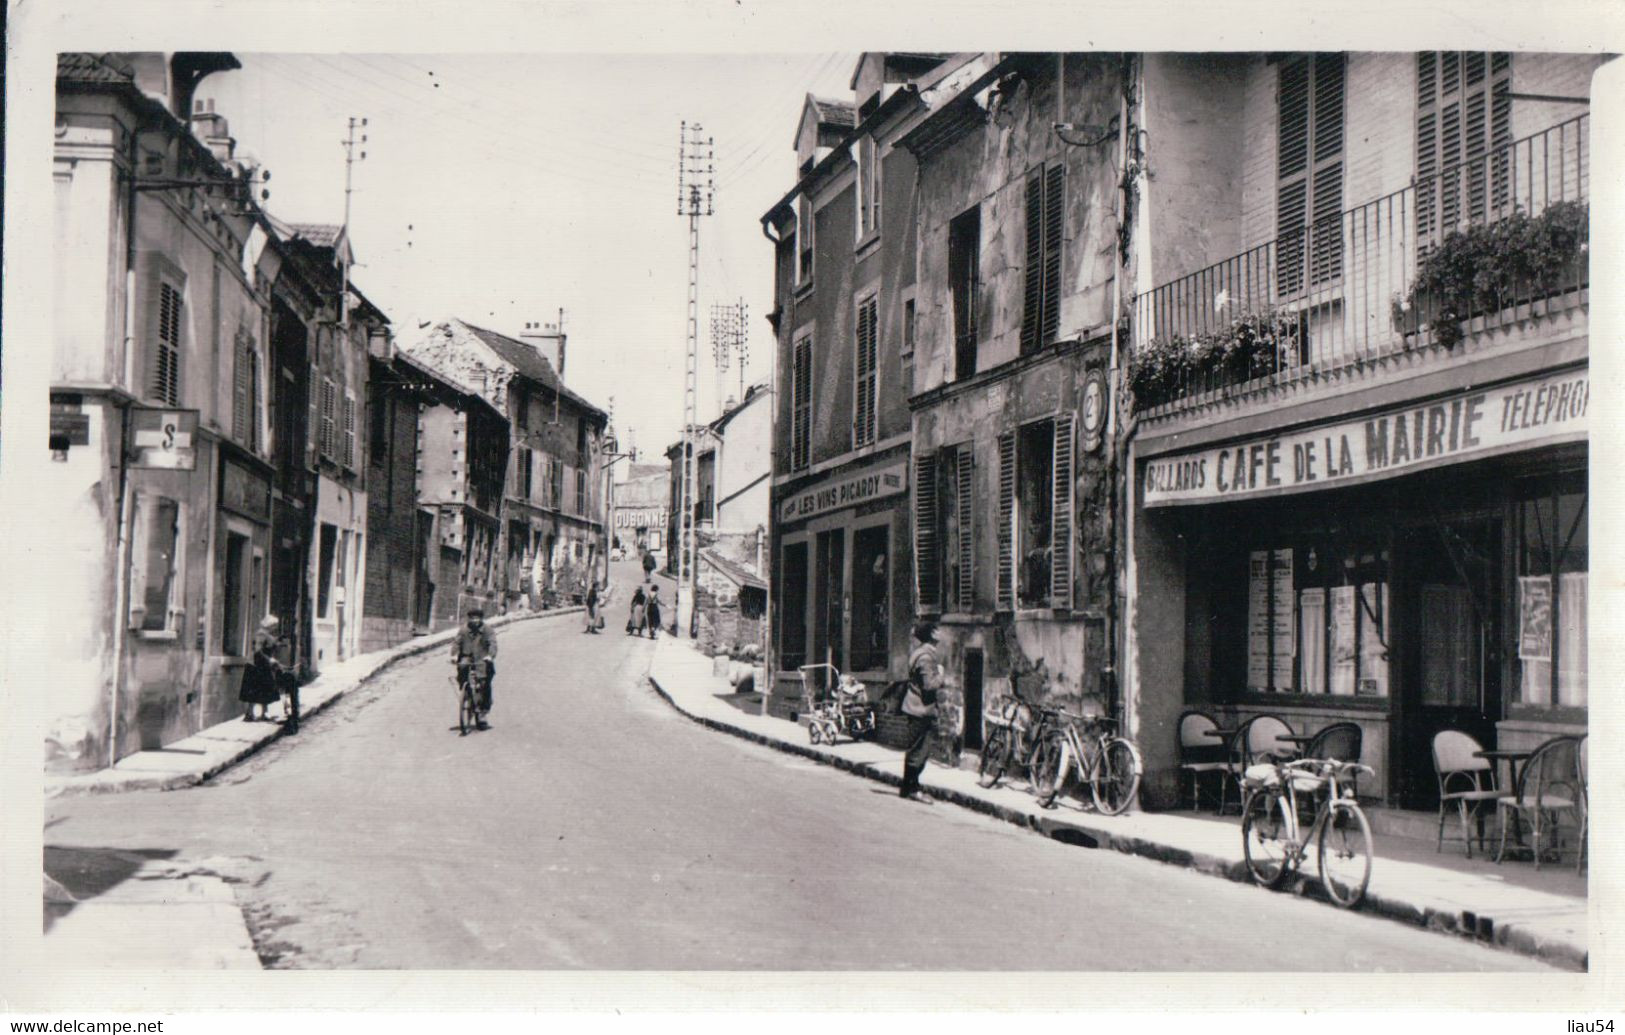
x: 1550, y: 926
x: 210, y: 751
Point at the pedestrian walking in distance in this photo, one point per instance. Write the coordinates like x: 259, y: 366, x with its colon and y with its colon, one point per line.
x: 634, y: 615
x: 652, y: 612
x: 920, y: 707
x: 260, y: 677
x: 592, y: 607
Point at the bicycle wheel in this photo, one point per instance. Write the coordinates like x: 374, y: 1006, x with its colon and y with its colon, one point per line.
x: 815, y: 731
x: 1045, y: 770
x: 1344, y: 847
x: 467, y: 714
x: 995, y: 757
x: 1264, y: 837
x: 1117, y: 777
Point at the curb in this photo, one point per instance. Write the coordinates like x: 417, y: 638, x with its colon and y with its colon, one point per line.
x: 1514, y: 937
x: 105, y: 781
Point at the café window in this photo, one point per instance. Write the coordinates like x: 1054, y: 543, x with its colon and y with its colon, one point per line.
x: 1553, y: 560
x: 1317, y: 617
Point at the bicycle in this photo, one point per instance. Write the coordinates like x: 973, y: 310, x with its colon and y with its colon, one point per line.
x: 471, y: 692
x: 1275, y: 842
x: 1108, y: 763
x: 1019, y: 729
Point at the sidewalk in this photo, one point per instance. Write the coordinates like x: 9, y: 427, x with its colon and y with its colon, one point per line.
x: 208, y: 752
x: 1542, y: 915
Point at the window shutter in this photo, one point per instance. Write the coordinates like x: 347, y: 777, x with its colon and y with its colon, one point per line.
x: 166, y: 359
x: 801, y: 429
x: 1061, y: 515
x: 253, y: 357
x: 927, y: 559
x: 965, y: 505
x: 1033, y: 288
x: 327, y: 447
x: 1427, y: 146
x: 1327, y: 257
x: 1054, y: 224
x: 1463, y: 118
x: 239, y: 394
x: 349, y: 430
x: 863, y: 427
x: 315, y: 393
x: 1292, y: 173
x: 1006, y: 588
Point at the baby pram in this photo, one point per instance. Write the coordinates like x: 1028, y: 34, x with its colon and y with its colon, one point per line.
x: 840, y: 705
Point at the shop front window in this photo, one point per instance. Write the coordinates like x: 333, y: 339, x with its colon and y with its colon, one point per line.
x: 1553, y: 561
x: 1317, y: 618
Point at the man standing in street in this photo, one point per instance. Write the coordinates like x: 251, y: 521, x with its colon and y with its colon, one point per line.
x: 920, y: 707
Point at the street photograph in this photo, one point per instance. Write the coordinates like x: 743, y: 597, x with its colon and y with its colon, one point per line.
x: 788, y: 525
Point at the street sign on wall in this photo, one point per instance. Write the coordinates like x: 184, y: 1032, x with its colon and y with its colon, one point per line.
x: 163, y: 438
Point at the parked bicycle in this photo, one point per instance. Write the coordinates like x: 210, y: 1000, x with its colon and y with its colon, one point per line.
x: 1108, y: 763
x: 1276, y: 842
x: 1018, y: 728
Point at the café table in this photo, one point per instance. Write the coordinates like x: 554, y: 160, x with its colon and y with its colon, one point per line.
x: 1495, y: 757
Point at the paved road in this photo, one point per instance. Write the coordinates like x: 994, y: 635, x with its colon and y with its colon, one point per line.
x: 592, y: 827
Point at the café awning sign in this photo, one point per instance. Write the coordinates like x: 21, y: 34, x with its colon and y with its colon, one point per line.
x: 845, y: 492
x: 163, y: 438
x: 1468, y: 425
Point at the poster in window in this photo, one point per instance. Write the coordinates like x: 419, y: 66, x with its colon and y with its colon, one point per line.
x: 1343, y: 641
x: 1312, y: 620
x: 1258, y: 621
x: 1373, y: 680
x: 1535, y: 617
x: 1283, y: 620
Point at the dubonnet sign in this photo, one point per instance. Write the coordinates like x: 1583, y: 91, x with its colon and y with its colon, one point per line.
x: 1460, y: 427
x: 847, y: 492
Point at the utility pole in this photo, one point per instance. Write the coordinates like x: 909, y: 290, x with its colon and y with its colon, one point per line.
x: 696, y: 188
x: 350, y: 158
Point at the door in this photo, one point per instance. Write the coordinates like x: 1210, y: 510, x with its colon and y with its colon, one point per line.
x: 829, y: 599
x: 1451, y: 668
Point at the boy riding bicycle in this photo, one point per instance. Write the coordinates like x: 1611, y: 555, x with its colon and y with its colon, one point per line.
x: 474, y: 645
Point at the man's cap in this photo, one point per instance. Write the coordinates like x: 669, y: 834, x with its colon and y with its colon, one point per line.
x: 926, y: 632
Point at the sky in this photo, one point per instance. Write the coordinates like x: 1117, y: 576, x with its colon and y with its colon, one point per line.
x: 502, y: 188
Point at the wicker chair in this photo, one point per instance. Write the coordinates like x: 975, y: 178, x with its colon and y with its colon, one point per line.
x: 1342, y: 742
x: 1548, y: 787
x: 1466, y: 783
x: 1201, y: 755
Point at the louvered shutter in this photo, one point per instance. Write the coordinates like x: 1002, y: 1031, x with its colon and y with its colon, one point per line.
x: 328, y: 400
x: 1061, y: 515
x: 1427, y: 146
x: 1327, y: 186
x: 965, y: 506
x: 1005, y: 590
x: 927, y: 558
x: 1463, y: 120
x: 1292, y: 173
x: 1033, y: 287
x: 239, y: 394
x: 349, y: 430
x: 863, y: 424
x: 801, y: 420
x: 1500, y: 130
x: 166, y: 359
x: 315, y: 393
x: 1054, y: 215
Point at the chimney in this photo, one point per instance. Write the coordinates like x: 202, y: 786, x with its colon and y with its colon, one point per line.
x: 548, y: 341
x: 211, y: 128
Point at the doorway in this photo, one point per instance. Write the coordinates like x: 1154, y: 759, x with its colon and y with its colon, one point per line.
x: 829, y: 595
x: 973, y: 698
x: 1451, y: 662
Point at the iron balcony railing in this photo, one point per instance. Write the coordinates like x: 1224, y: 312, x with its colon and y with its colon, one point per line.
x: 1492, y: 239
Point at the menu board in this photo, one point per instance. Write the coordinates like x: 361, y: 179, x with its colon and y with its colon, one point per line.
x: 1283, y: 622
x: 1535, y: 617
x: 1258, y: 620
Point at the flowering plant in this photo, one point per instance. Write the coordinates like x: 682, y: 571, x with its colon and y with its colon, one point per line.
x: 1252, y: 346
x: 1486, y: 267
